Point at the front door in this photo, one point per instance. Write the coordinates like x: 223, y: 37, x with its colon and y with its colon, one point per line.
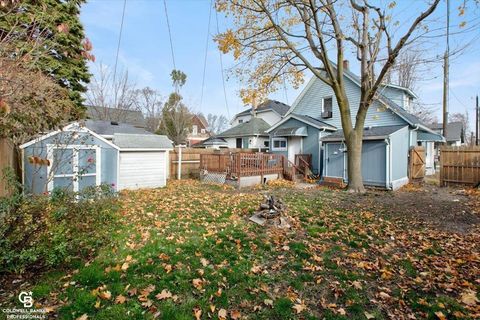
x: 294, y: 146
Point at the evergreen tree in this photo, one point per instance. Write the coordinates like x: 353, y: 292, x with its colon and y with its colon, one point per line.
x: 48, y: 36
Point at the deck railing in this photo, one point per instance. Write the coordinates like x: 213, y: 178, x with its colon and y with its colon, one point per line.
x: 243, y: 164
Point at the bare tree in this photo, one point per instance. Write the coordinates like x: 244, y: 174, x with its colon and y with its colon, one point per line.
x: 217, y: 124
x: 150, y: 102
x: 109, y: 98
x: 278, y: 39
x: 464, y: 118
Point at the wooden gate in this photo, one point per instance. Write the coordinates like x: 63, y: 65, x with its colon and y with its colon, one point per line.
x: 460, y: 166
x: 416, y: 168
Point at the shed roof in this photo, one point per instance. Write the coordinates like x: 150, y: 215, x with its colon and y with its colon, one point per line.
x: 109, y: 128
x: 294, y: 131
x: 373, y: 133
x: 212, y: 141
x: 142, y: 141
x: 253, y: 127
x: 454, y: 130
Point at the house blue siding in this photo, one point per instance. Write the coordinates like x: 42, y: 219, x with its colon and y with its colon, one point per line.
x: 399, y: 143
x: 374, y: 164
x: 310, y: 142
x: 35, y: 175
x: 311, y: 103
x: 394, y: 94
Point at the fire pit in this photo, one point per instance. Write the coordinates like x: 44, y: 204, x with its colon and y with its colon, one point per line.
x: 271, y: 212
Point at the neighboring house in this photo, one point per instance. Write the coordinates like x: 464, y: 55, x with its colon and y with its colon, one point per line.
x: 313, y: 126
x: 212, y: 143
x: 96, y: 152
x: 270, y: 111
x: 455, y: 137
x: 249, y: 127
x: 132, y: 117
x: 199, y: 131
x: 250, y: 134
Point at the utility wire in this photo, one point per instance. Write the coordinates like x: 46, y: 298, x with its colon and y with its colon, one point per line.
x: 221, y: 67
x: 169, y: 33
x: 118, y: 50
x: 206, y: 52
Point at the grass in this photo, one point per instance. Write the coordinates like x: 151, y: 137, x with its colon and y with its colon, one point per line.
x: 195, y: 242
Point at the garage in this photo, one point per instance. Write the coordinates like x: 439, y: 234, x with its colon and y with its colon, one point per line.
x: 150, y: 174
x: 142, y: 160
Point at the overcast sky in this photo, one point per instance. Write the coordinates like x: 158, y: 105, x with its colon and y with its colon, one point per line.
x: 145, y: 52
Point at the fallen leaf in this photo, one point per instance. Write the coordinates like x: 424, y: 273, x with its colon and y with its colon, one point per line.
x: 197, y: 313
x: 268, y: 302
x: 105, y: 295
x: 469, y: 298
x: 125, y: 266
x: 197, y: 283
x: 83, y: 317
x: 440, y: 315
x: 369, y: 315
x: 120, y: 299
x: 165, y: 294
x: 235, y: 314
x: 222, y: 314
x: 299, y: 307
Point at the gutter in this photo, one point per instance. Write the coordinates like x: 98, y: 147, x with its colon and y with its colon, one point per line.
x: 389, y: 183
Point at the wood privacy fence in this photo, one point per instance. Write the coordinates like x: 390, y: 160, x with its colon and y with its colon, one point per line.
x: 416, y: 165
x: 8, y: 159
x: 190, y: 166
x: 460, y: 165
x: 243, y: 164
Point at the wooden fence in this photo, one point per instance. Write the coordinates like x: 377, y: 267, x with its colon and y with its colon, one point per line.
x: 190, y: 166
x: 243, y: 164
x: 460, y: 165
x: 8, y: 159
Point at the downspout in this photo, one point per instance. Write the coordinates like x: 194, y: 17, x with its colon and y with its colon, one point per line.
x: 320, y: 151
x: 389, y: 183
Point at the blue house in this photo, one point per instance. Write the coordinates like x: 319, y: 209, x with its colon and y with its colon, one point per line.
x: 313, y: 127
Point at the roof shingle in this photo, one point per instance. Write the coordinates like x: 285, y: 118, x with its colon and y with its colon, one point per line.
x: 253, y: 127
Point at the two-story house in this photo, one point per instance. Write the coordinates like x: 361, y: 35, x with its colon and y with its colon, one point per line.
x: 249, y: 127
x: 199, y: 130
x: 313, y: 126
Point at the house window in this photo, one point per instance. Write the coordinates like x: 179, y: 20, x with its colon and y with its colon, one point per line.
x: 194, y: 129
x: 327, y: 107
x: 266, y: 143
x: 202, y: 131
x: 279, y: 144
x: 73, y: 167
x: 240, y: 120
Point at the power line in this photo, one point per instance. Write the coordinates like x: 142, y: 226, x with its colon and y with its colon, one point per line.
x: 221, y: 67
x: 206, y: 52
x: 118, y: 50
x: 169, y: 33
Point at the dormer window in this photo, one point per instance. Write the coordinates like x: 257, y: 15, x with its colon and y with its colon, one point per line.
x: 327, y: 107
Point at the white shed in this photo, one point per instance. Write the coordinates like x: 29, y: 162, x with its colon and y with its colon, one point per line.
x: 143, y: 160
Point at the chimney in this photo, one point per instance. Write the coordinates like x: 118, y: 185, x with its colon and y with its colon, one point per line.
x: 346, y: 65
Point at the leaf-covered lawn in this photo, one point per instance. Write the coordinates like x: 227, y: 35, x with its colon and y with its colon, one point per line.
x: 188, y: 251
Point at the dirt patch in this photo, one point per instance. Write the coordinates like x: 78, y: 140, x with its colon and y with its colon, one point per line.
x: 449, y: 209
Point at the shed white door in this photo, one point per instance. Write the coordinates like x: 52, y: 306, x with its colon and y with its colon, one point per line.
x: 142, y: 170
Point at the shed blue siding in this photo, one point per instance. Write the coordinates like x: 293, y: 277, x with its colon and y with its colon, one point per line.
x: 399, y: 143
x: 35, y: 176
x: 310, y: 103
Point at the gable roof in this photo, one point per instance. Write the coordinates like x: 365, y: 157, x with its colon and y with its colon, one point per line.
x: 454, y: 130
x: 74, y: 126
x: 305, y: 119
x: 106, y: 128
x: 202, y: 119
x: 402, y: 113
x: 132, y: 117
x: 212, y: 141
x: 142, y: 141
x: 276, y: 106
x: 253, y: 127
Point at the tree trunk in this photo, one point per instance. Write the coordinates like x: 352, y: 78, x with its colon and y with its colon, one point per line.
x: 354, y: 152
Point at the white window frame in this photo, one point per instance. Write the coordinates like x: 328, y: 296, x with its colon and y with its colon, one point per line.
x: 279, y: 148
x: 203, y: 131
x: 194, y: 129
x: 74, y: 175
x: 323, y: 103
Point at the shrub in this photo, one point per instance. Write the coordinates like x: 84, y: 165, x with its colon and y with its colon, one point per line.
x: 44, y: 231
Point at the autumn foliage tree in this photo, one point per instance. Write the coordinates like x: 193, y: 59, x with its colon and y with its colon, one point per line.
x: 278, y: 39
